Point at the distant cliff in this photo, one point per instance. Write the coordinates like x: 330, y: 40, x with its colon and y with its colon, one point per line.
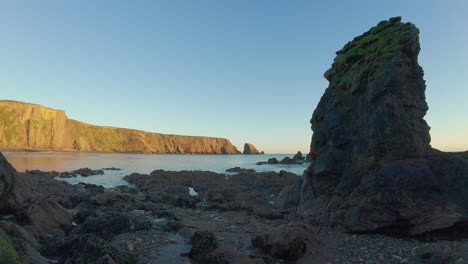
x: 31, y: 126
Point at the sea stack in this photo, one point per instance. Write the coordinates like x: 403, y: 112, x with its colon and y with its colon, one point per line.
x: 250, y: 149
x: 373, y: 168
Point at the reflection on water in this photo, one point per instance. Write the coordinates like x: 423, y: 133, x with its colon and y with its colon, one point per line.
x: 140, y: 163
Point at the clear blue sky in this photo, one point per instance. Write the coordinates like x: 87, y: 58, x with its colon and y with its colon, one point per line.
x: 250, y: 71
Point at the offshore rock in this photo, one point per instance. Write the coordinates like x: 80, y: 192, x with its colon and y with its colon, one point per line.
x: 298, y: 156
x: 31, y: 126
x: 250, y: 149
x: 373, y: 169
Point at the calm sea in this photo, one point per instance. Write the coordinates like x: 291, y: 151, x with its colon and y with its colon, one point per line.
x: 140, y: 163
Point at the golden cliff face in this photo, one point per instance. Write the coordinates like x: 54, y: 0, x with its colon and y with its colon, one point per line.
x: 31, y: 126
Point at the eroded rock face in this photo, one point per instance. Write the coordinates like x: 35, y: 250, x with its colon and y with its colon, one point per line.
x: 373, y: 167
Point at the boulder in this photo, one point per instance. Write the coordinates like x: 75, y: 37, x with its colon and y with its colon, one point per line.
x: 287, y: 242
x: 273, y: 161
x: 270, y: 161
x: 184, y: 199
x: 105, y: 198
x: 289, y: 196
x: 250, y: 149
x: 82, y: 211
x: 204, y: 244
x: 288, y: 160
x: 373, y: 168
x: 48, y: 216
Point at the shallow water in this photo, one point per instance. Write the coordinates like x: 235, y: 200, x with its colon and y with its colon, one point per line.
x: 172, y: 252
x: 140, y: 163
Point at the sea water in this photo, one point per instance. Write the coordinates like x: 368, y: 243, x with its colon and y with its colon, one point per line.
x: 140, y: 163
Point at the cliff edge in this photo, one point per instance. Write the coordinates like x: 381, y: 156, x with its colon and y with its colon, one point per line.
x: 31, y: 126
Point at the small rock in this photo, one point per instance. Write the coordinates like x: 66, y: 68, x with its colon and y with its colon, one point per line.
x: 172, y: 240
x: 112, y: 169
x: 130, y: 245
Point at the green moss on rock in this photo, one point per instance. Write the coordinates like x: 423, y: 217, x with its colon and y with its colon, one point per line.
x: 367, y: 52
x: 8, y: 254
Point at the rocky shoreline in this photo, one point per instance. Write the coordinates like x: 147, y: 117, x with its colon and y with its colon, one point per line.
x: 244, y: 218
x: 375, y: 190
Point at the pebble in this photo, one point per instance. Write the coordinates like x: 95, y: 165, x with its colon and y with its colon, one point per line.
x: 130, y: 245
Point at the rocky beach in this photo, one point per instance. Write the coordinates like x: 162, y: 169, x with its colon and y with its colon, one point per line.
x: 375, y: 191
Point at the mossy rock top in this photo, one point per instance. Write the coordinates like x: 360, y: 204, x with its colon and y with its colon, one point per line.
x: 364, y: 54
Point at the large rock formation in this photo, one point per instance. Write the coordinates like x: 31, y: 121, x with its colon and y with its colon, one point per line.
x: 31, y: 126
x: 6, y: 177
x: 250, y: 149
x: 373, y: 167
x: 28, y: 200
